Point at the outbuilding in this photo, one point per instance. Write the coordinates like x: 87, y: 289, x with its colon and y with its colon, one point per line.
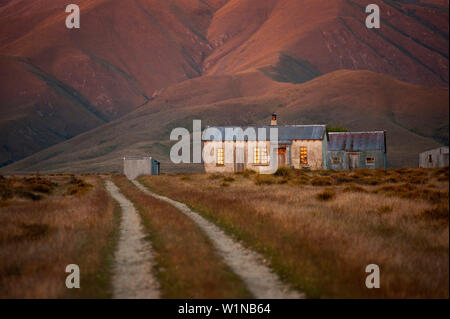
x: 437, y: 157
x: 134, y: 167
x: 353, y: 150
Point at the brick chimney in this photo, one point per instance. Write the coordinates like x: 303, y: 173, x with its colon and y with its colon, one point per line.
x: 273, y: 122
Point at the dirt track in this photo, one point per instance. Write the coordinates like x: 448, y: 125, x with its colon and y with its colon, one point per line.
x: 248, y: 265
x: 134, y: 258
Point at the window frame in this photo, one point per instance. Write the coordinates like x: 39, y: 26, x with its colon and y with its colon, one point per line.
x: 303, y: 155
x: 334, y: 162
x: 371, y: 162
x: 260, y: 156
x: 220, y: 156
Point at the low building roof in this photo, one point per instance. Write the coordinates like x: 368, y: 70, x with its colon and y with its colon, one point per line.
x: 136, y: 158
x: 357, y: 141
x: 285, y: 132
x: 442, y: 150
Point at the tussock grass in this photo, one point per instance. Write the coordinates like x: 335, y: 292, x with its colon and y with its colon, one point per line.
x: 384, y: 209
x: 216, y: 176
x: 283, y: 172
x: 188, y: 265
x: 439, y: 212
x: 38, y: 239
x: 367, y: 177
x: 323, y: 247
x: 34, y: 188
x: 265, y: 180
x: 248, y: 172
x: 78, y: 187
x: 354, y: 189
x: 413, y: 192
x: 322, y: 181
x: 326, y: 195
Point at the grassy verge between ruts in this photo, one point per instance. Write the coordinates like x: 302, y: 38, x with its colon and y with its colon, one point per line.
x: 322, y: 244
x: 187, y: 264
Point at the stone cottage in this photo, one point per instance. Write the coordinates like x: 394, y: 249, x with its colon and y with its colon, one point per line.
x: 297, y: 146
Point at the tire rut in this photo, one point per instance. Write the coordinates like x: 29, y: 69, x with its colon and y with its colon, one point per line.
x: 133, y: 260
x: 247, y: 264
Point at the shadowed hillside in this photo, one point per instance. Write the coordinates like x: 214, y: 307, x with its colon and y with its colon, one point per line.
x: 124, y: 52
x: 57, y: 83
x: 358, y: 100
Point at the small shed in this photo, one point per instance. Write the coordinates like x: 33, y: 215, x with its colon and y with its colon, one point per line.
x: 353, y: 150
x: 134, y: 167
x: 437, y: 157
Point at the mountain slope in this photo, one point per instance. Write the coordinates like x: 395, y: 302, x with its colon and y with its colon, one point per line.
x: 411, y: 45
x: 124, y: 52
x: 57, y: 83
x: 359, y: 100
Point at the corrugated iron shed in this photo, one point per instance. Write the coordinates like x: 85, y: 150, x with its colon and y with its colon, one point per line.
x: 357, y: 141
x: 285, y: 132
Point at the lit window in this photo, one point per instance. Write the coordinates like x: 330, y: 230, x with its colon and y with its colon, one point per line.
x: 264, y: 158
x: 370, y: 160
x: 303, y: 155
x: 220, y: 159
x: 336, y: 160
x: 260, y: 155
x: 256, y: 158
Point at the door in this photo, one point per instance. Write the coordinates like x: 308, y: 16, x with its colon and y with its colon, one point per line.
x: 282, y: 156
x: 239, y: 156
x: 353, y: 160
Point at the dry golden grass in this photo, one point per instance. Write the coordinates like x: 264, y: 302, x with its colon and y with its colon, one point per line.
x: 78, y: 186
x: 38, y: 239
x: 34, y: 188
x: 323, y: 247
x: 188, y: 265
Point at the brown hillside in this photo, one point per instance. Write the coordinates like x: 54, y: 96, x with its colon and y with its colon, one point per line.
x: 355, y: 99
x: 124, y: 52
x: 57, y: 83
x: 310, y: 36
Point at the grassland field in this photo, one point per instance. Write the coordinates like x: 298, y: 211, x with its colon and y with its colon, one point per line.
x: 317, y: 230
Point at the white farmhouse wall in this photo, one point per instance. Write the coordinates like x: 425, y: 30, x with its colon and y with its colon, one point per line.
x: 314, y: 153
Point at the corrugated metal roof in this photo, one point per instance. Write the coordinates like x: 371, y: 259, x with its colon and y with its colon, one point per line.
x: 357, y: 141
x: 285, y: 133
